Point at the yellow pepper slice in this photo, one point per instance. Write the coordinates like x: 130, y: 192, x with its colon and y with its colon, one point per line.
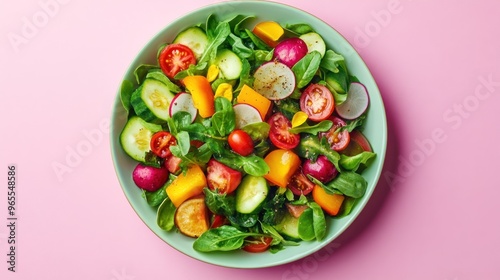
x: 224, y: 90
x: 282, y: 164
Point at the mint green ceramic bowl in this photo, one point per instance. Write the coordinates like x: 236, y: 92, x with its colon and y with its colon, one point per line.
x: 375, y: 130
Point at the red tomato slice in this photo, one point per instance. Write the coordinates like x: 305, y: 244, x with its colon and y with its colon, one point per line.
x: 161, y: 142
x: 173, y: 164
x: 300, y: 184
x: 279, y: 134
x: 240, y: 142
x: 338, y: 140
x: 258, y: 245
x: 221, y: 177
x: 218, y: 220
x: 175, y: 58
x: 317, y: 102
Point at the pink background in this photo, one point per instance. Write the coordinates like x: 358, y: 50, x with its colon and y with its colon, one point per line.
x: 434, y: 214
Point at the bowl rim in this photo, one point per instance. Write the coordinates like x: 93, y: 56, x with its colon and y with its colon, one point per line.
x: 380, y: 154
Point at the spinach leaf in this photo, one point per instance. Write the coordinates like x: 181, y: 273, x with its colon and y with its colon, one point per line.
x: 319, y: 221
x: 278, y: 239
x: 216, y: 37
x: 347, y: 206
x: 243, y: 220
x: 311, y: 147
x: 353, y: 162
x: 193, y: 69
x: 257, y: 131
x: 287, y: 107
x: 239, y: 47
x: 126, y: 90
x: 352, y: 125
x: 224, y: 238
x: 252, y: 164
x: 348, y: 183
x: 218, y: 203
x: 199, y: 156
x: 306, y: 68
x: 332, y: 60
x: 142, y: 70
x: 158, y: 75
x: 306, y: 225
x: 245, y: 77
x: 299, y: 28
x: 165, y: 215
x: 259, y: 44
x: 314, y: 129
x: 274, y: 209
x: 223, y: 120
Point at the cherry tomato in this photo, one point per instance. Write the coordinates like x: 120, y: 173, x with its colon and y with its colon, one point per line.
x: 222, y: 178
x: 279, y: 134
x: 161, y: 142
x: 300, y: 184
x: 258, y: 245
x: 175, y: 58
x: 173, y: 164
x: 317, y: 102
x: 240, y: 142
x: 338, y: 140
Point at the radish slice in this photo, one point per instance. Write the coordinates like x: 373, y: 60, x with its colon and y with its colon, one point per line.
x: 274, y: 80
x: 356, y: 102
x: 245, y: 114
x: 183, y: 102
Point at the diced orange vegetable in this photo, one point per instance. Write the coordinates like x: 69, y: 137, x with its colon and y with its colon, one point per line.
x: 249, y: 96
x: 202, y: 93
x: 282, y: 164
x: 187, y: 185
x: 269, y: 31
x: 330, y: 203
x: 191, y: 217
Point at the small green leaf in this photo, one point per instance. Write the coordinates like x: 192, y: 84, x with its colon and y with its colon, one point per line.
x: 306, y: 68
x: 165, y: 215
x: 353, y: 162
x: 314, y: 129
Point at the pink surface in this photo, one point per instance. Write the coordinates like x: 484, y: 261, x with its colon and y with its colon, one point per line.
x: 434, y: 214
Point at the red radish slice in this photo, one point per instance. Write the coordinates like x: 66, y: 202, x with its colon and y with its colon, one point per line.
x: 183, y: 102
x: 246, y: 114
x: 274, y: 80
x: 356, y: 102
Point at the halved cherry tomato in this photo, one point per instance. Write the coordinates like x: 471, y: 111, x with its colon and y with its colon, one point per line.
x: 317, y: 102
x: 258, y: 245
x: 175, y: 58
x: 221, y: 177
x: 300, y: 184
x: 240, y: 142
x: 161, y: 142
x: 279, y: 134
x: 338, y: 140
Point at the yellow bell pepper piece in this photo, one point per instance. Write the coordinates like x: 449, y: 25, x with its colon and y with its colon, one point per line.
x: 269, y: 31
x: 187, y: 185
x: 282, y: 164
x: 212, y: 73
x: 299, y: 118
x: 224, y: 90
x: 249, y: 96
x: 330, y: 203
x: 203, y: 96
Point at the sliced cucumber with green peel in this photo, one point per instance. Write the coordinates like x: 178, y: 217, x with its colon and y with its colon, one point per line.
x: 194, y: 38
x: 314, y: 42
x: 151, y: 101
x: 136, y: 136
x: 250, y: 194
x: 289, y: 226
x: 229, y: 63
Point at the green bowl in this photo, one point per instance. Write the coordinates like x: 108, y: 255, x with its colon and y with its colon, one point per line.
x: 375, y: 130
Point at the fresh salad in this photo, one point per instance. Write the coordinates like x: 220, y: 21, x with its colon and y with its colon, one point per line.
x: 247, y: 138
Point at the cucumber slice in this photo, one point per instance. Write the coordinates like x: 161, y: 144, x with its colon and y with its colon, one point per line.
x: 194, y: 38
x: 229, y: 63
x: 314, y: 42
x: 289, y: 226
x: 250, y: 194
x: 151, y: 101
x: 136, y: 136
